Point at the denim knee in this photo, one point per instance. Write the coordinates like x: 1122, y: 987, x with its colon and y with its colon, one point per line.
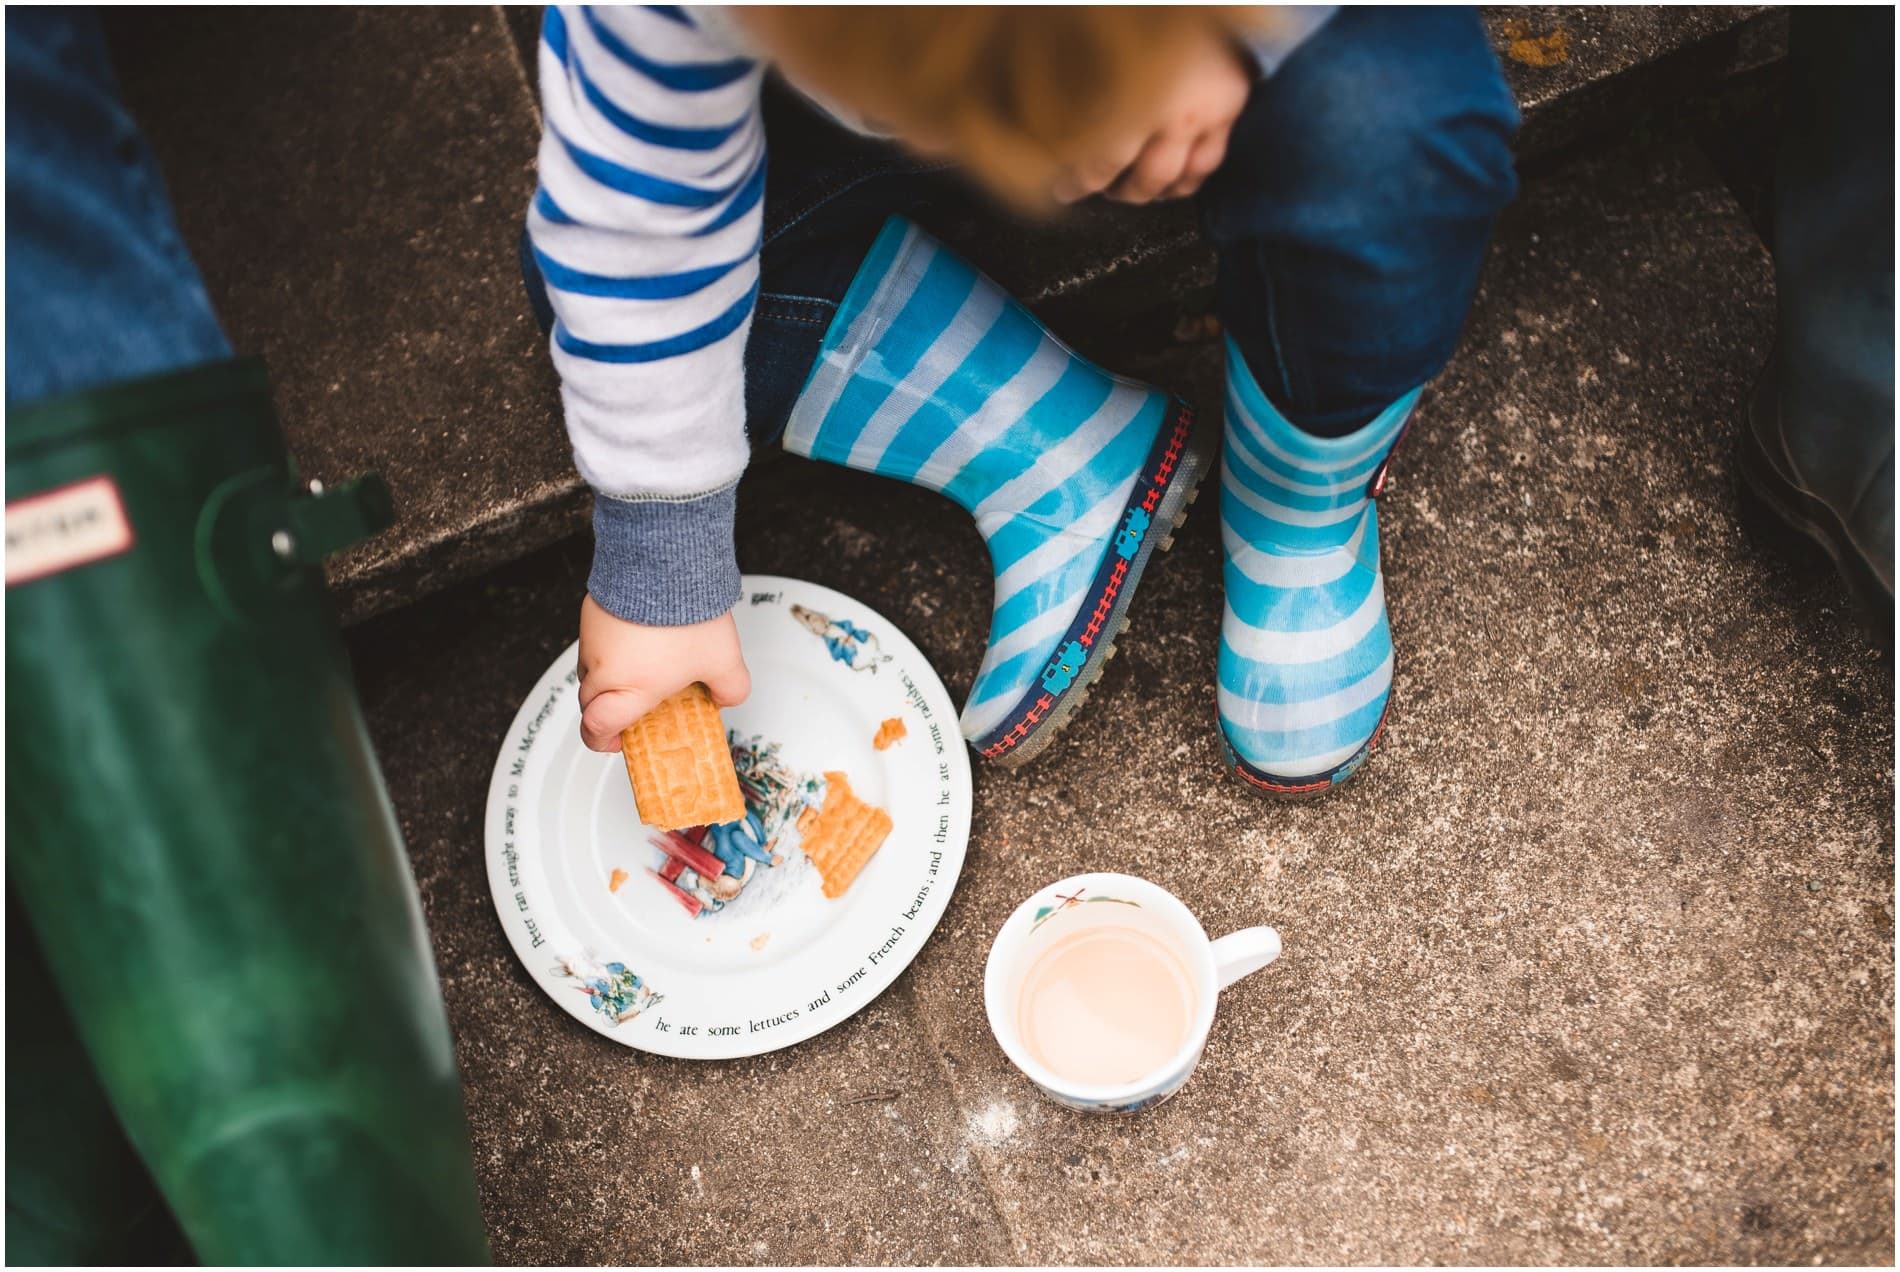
x: 100, y: 287
x: 1358, y: 195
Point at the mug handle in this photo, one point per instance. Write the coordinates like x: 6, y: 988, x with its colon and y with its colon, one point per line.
x: 1243, y: 953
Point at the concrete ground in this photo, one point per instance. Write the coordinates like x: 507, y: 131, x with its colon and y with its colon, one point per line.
x: 1593, y: 964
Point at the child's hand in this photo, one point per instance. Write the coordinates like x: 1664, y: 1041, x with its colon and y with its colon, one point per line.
x: 627, y: 669
x: 1181, y: 146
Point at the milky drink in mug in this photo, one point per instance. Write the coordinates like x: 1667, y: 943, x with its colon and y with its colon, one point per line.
x: 1105, y: 1004
x: 1101, y: 989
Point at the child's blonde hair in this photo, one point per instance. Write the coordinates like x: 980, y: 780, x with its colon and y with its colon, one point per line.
x: 1015, y: 93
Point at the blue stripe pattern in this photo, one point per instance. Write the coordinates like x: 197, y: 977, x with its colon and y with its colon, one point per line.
x: 655, y: 134
x: 641, y: 185
x: 670, y: 347
x: 947, y: 281
x: 1078, y: 395
x: 633, y: 194
x: 746, y: 199
x: 690, y: 77
x: 554, y: 35
x: 1305, y: 664
x: 634, y: 287
x: 544, y: 204
x: 1042, y: 446
x: 1003, y: 351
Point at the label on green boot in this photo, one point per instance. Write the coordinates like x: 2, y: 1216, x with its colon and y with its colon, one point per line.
x: 64, y: 528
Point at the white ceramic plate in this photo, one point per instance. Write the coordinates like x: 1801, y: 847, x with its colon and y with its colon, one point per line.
x: 779, y: 962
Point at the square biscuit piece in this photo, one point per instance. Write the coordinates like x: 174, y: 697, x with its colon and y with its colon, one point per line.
x: 680, y: 765
x: 841, y: 836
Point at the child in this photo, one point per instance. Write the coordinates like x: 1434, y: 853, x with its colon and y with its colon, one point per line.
x: 1349, y: 167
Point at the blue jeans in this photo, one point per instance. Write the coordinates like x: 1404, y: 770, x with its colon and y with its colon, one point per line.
x: 1361, y: 186
x: 100, y: 287
x: 1359, y: 193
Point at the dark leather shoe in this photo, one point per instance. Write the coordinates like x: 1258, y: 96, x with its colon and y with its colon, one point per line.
x: 1854, y: 525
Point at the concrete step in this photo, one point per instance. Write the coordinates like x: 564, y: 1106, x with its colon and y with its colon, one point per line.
x: 1579, y: 70
x: 351, y: 182
x: 1592, y: 965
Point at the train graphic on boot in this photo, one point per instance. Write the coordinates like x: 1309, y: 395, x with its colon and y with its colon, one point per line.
x: 1128, y: 541
x: 1064, y: 667
x: 1068, y: 662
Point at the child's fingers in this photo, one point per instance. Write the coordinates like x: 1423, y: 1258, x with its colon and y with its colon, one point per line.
x: 606, y: 715
x: 1202, y: 162
x: 1094, y: 175
x: 731, y: 685
x: 1155, y: 169
x: 1207, y: 156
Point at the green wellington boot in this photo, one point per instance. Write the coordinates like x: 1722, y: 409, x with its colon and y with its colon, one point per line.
x: 199, y: 836
x: 77, y: 1192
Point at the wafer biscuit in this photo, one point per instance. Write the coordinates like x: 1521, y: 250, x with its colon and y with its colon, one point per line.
x: 841, y: 836
x: 679, y: 763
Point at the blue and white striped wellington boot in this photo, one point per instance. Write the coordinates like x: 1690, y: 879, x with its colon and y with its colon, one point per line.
x: 932, y: 374
x: 1305, y: 650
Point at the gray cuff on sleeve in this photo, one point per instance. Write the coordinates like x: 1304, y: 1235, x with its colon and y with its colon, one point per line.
x: 665, y: 562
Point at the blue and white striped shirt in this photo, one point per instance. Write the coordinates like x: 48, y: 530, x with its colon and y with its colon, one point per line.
x: 646, y: 228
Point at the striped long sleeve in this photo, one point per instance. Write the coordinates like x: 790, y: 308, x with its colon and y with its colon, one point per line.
x: 646, y: 229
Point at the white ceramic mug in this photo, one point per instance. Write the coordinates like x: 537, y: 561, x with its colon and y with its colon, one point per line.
x: 1123, y: 901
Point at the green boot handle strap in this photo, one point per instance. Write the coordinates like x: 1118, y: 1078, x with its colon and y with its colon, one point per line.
x: 257, y: 535
x: 331, y: 518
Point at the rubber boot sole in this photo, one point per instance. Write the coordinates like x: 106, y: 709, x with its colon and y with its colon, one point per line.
x: 1169, y: 482
x: 1300, y: 789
